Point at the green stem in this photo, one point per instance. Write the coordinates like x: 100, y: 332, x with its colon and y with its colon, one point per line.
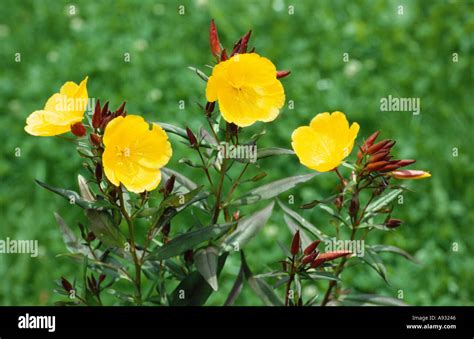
x: 136, y: 261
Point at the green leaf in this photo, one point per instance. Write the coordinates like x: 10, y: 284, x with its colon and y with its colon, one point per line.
x: 382, y: 202
x: 188, y: 240
x: 194, y: 290
x: 303, y: 223
x: 236, y: 288
x: 84, y: 189
x: 103, y: 228
x: 393, y: 249
x: 259, y: 286
x: 271, y: 190
x: 199, y: 73
x: 206, y: 263
x: 75, y: 199
x: 373, y: 299
x: 316, y: 275
x: 247, y: 227
x: 272, y: 151
x: 374, y: 261
x: 173, y: 129
x: 73, y: 244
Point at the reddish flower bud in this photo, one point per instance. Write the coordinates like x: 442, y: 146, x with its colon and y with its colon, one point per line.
x: 244, y: 42
x: 371, y: 139
x: 377, y: 147
x: 311, y: 247
x: 354, y: 206
x: 98, y: 172
x: 379, y: 156
x: 121, y: 110
x: 405, y: 162
x: 90, y: 237
x: 389, y: 145
x: 78, y: 129
x: 97, y: 116
x: 66, y: 284
x: 309, y: 258
x: 389, y: 168
x: 95, y: 139
x: 214, y: 40
x: 191, y: 137
x: 210, y: 108
x: 102, y: 277
x: 236, y: 47
x: 393, y: 223
x: 375, y: 166
x: 189, y: 256
x: 224, y: 55
x: 105, y: 110
x: 282, y: 74
x: 328, y: 256
x: 169, y: 185
x: 295, y: 244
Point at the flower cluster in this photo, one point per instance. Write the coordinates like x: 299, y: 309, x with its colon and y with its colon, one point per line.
x: 126, y: 157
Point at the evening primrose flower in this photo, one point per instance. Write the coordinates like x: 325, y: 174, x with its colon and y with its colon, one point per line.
x: 247, y: 89
x: 324, y: 144
x: 134, y: 153
x: 61, y: 111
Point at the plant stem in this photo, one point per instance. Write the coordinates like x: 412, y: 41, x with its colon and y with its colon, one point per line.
x: 131, y: 230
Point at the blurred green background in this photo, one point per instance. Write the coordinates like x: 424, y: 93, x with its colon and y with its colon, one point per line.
x: 409, y: 55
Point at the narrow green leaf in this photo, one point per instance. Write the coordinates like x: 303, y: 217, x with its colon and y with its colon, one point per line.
x: 374, y: 261
x: 73, y: 244
x: 188, y: 240
x: 394, y: 249
x: 103, y: 228
x: 194, y: 290
x: 374, y: 299
x: 303, y: 223
x: 206, y: 263
x: 271, y: 190
x: 382, y: 202
x: 75, y: 199
x: 247, y: 228
x: 272, y: 151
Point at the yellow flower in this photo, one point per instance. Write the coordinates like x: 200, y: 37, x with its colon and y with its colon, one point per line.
x: 62, y: 110
x: 247, y: 89
x: 324, y: 144
x: 134, y: 153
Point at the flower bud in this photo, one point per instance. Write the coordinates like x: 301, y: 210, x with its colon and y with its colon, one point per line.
x: 169, y: 185
x: 95, y: 139
x: 224, y: 56
x: 295, y: 244
x: 236, y: 215
x: 377, y: 147
x: 379, y: 156
x: 311, y: 247
x: 98, y: 172
x: 105, y: 110
x: 282, y: 74
x: 244, y: 42
x: 309, y: 258
x: 371, y: 139
x: 192, y: 138
x: 210, y: 108
x: 354, y: 206
x: 214, y: 40
x: 121, y: 110
x: 375, y: 166
x: 393, y: 223
x: 328, y: 256
x: 66, y: 284
x: 97, y: 116
x: 90, y: 237
x: 405, y: 162
x: 189, y: 256
x: 78, y: 129
x: 410, y: 174
x: 102, y: 277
